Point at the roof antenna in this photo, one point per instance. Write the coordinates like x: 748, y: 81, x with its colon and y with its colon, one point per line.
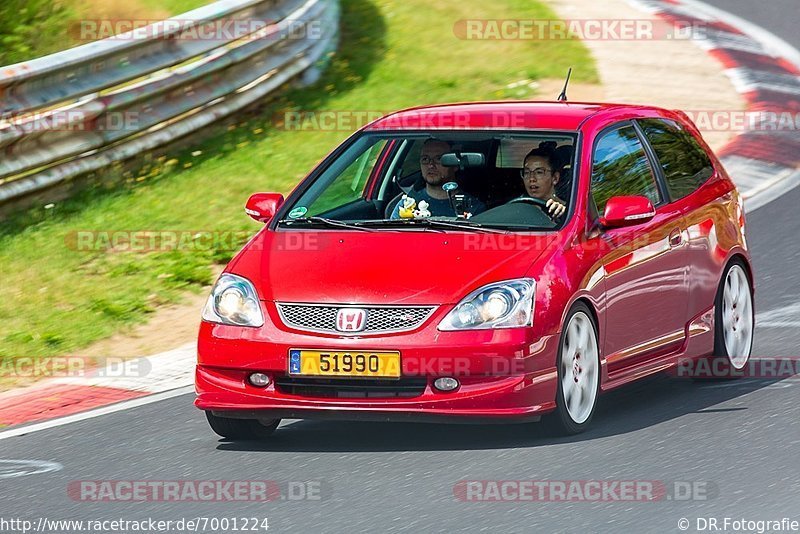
x: 563, y: 96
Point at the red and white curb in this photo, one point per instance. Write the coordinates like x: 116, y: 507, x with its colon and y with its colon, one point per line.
x: 765, y: 70
x: 59, y: 397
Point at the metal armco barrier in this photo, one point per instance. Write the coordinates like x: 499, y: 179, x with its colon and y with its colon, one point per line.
x: 85, y: 108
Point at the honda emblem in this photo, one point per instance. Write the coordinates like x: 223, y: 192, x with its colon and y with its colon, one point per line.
x: 351, y: 320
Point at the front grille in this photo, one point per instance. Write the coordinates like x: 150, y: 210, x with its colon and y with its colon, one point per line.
x: 380, y: 319
x: 344, y: 388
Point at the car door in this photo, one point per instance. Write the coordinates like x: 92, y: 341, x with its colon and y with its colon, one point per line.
x: 686, y: 167
x: 645, y: 265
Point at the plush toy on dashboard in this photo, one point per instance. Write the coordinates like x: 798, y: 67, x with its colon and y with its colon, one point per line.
x: 407, y: 205
x: 422, y: 210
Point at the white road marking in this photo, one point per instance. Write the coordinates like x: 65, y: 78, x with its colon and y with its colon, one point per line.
x: 745, y: 79
x: 774, y: 44
x: 22, y: 468
x: 786, y: 317
x: 97, y: 412
x: 744, y: 383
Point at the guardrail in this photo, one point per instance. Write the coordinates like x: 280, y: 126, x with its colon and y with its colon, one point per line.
x: 85, y: 108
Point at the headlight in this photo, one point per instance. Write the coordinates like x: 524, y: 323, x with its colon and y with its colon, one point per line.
x: 233, y: 301
x: 500, y: 305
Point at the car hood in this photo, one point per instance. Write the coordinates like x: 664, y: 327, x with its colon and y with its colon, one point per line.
x: 382, y: 267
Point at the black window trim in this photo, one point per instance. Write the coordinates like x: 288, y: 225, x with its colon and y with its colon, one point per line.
x: 655, y: 163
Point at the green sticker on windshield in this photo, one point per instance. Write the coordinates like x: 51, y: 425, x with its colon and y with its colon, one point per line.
x: 298, y: 212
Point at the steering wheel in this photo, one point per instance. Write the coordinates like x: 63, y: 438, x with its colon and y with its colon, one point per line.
x: 538, y: 202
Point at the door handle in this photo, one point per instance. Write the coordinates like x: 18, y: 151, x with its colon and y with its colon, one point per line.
x: 675, y: 238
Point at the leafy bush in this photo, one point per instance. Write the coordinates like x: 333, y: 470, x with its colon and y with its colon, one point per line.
x: 31, y: 28
x: 34, y: 28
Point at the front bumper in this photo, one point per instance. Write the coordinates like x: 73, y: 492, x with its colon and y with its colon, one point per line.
x: 505, y: 375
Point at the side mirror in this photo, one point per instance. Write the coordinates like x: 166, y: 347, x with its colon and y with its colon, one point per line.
x: 263, y: 206
x: 626, y: 211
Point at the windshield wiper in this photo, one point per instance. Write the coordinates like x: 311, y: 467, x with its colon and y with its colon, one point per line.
x: 325, y: 222
x: 432, y: 223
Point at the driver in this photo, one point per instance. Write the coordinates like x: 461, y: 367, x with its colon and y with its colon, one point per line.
x: 539, y: 175
x: 436, y: 175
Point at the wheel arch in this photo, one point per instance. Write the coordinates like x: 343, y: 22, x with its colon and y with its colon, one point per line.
x: 748, y: 268
x: 592, y: 310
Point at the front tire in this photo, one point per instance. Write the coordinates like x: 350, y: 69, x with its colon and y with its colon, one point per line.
x: 242, y: 429
x: 578, y: 366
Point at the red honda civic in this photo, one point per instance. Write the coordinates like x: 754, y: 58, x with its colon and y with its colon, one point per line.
x: 480, y: 262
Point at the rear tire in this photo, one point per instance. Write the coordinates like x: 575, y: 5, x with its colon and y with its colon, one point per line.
x: 578, y: 366
x: 734, y: 322
x: 242, y: 429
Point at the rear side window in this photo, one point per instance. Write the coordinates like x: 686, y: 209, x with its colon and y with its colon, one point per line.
x: 620, y: 168
x: 686, y: 165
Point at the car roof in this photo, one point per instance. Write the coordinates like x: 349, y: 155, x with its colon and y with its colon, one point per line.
x: 503, y: 115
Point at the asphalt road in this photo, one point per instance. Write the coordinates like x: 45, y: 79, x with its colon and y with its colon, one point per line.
x: 736, y: 441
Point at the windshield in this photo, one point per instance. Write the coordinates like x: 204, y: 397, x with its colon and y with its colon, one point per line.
x: 511, y: 181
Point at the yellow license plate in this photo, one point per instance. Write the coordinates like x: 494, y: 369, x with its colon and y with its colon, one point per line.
x: 343, y: 363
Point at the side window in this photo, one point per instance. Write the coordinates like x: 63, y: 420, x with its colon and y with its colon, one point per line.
x: 349, y: 184
x: 686, y: 165
x: 620, y: 167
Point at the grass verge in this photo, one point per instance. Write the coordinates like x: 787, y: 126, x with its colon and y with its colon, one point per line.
x: 393, y: 54
x: 33, y: 28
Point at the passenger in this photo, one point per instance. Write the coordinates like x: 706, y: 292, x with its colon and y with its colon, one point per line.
x: 540, y: 176
x: 436, y: 175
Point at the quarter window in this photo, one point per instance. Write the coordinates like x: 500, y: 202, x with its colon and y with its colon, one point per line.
x: 686, y: 165
x: 621, y: 168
